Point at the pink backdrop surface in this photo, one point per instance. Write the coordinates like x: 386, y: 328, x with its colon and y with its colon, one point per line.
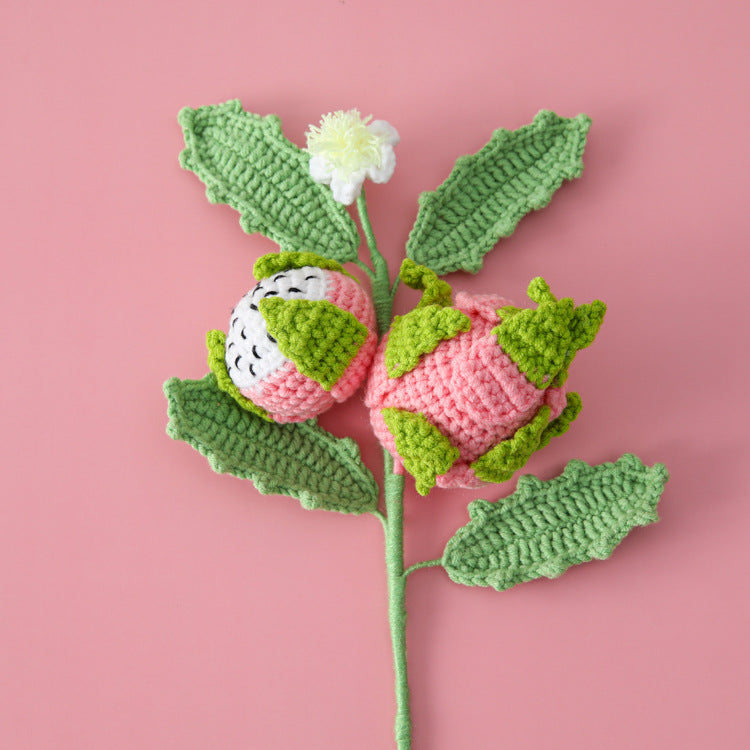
x: 150, y: 603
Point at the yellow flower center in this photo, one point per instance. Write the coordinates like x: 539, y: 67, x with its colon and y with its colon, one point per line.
x: 343, y: 140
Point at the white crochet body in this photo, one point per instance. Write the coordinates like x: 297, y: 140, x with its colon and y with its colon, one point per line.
x: 252, y: 354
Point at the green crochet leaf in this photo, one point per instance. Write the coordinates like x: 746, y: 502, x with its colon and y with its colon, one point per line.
x: 488, y: 193
x: 419, y: 332
x: 320, y: 338
x: 543, y: 342
x: 502, y: 461
x: 300, y: 460
x: 245, y: 161
x: 424, y: 450
x: 216, y: 342
x: 545, y: 527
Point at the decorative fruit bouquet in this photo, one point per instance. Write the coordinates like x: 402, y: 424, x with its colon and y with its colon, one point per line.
x: 461, y: 390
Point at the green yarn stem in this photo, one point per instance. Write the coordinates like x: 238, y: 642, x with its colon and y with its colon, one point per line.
x: 393, y: 488
x: 381, y: 283
x: 394, y: 562
x: 423, y: 564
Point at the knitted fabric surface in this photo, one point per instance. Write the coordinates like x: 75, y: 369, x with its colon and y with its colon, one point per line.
x: 491, y: 410
x: 301, y: 340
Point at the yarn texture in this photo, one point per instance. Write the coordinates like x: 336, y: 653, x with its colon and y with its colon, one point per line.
x: 245, y: 161
x: 300, y: 460
x: 545, y: 527
x: 488, y: 193
x: 455, y: 374
x: 301, y: 340
x: 460, y: 391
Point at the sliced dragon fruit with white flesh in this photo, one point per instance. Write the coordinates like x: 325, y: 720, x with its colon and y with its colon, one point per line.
x: 301, y: 340
x: 252, y: 354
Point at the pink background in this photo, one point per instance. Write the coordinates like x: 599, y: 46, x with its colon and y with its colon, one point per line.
x: 149, y: 603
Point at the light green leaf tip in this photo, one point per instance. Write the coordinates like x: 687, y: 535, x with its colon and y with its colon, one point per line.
x: 246, y: 162
x: 489, y: 192
x: 300, y: 460
x: 543, y: 528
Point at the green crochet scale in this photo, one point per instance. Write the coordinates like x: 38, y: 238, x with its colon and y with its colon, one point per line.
x: 426, y: 452
x: 540, y: 530
x: 273, y: 263
x: 544, y: 341
x: 215, y: 341
x: 296, y: 323
x: 419, y: 332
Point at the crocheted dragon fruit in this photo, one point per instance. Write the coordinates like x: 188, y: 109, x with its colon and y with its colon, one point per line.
x: 299, y: 341
x: 464, y: 394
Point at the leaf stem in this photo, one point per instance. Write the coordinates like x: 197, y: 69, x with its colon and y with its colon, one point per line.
x: 423, y: 564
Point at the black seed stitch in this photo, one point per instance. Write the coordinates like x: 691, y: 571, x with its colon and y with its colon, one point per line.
x: 230, y: 345
x: 307, y: 278
x: 271, y: 338
x: 237, y: 360
x: 294, y: 289
x: 280, y: 276
x: 270, y: 294
x: 254, y: 307
x: 255, y: 352
x: 252, y: 372
x: 234, y: 320
x: 242, y: 333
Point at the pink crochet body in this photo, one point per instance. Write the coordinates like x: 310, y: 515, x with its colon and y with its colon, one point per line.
x: 290, y: 396
x: 467, y: 387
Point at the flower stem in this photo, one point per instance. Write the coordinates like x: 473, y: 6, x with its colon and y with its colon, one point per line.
x: 381, y: 296
x: 393, y: 488
x: 394, y: 561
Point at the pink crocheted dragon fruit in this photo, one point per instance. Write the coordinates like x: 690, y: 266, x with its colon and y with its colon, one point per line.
x: 461, y: 391
x: 464, y: 394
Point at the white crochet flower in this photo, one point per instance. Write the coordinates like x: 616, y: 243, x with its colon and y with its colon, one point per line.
x: 345, y: 149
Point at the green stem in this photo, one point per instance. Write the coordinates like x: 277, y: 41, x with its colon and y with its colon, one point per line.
x: 394, y: 561
x: 424, y: 564
x: 393, y: 488
x: 381, y: 283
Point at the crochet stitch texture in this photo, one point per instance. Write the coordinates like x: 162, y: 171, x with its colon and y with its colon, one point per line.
x: 545, y: 527
x: 468, y: 388
x: 245, y: 161
x: 489, y: 192
x: 301, y: 340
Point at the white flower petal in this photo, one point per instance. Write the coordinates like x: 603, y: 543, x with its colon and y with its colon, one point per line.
x: 319, y: 170
x: 346, y: 191
x: 384, y: 172
x: 385, y: 130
